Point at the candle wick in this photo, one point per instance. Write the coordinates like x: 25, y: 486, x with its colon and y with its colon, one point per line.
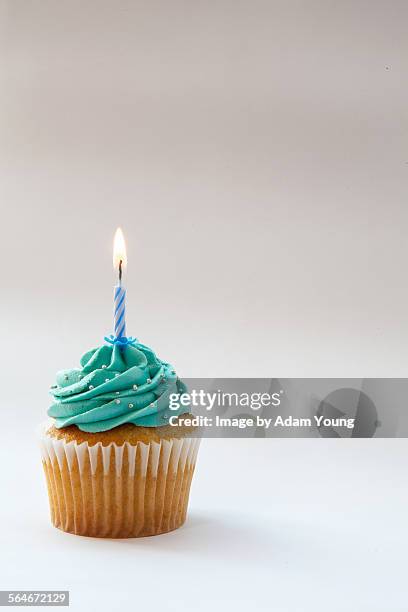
x: 120, y: 271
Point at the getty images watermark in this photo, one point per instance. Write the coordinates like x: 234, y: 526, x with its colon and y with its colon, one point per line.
x: 254, y: 401
x: 292, y: 407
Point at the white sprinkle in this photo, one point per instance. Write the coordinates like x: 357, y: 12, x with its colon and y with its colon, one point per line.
x: 107, y: 379
x: 117, y: 392
x: 148, y: 381
x: 117, y: 374
x: 104, y: 366
x: 91, y: 386
x: 117, y: 401
x: 134, y: 387
x: 130, y: 405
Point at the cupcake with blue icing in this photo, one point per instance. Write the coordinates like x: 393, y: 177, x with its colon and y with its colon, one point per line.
x: 114, y: 465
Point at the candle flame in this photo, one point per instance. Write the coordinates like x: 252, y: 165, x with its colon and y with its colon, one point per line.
x: 119, y: 249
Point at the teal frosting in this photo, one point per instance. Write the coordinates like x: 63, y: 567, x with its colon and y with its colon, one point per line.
x: 115, y: 385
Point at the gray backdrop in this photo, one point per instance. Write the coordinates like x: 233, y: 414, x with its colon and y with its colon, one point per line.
x: 255, y: 154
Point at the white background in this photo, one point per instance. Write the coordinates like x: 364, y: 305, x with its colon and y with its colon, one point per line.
x: 290, y: 525
x: 255, y: 154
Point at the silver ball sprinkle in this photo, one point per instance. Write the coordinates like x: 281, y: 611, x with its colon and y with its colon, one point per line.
x: 130, y: 405
x: 134, y: 387
x: 148, y: 381
x: 117, y: 401
x: 117, y: 374
x: 107, y: 379
x: 91, y: 386
x: 104, y: 366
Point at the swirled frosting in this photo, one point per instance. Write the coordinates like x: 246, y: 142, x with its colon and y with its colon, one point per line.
x: 115, y: 385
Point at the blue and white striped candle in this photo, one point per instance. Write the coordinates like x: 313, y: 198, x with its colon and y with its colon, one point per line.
x: 119, y: 311
x: 119, y: 292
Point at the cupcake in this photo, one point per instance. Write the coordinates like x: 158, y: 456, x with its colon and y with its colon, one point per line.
x: 114, y: 466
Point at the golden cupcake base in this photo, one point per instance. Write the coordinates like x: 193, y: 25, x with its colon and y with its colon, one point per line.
x: 112, y: 491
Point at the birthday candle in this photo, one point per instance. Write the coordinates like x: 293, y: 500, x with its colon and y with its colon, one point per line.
x: 119, y: 292
x: 119, y: 312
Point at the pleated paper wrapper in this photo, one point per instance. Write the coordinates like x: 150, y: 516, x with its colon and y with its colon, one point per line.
x: 118, y: 491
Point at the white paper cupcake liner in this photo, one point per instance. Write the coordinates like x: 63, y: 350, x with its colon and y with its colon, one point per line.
x: 118, y: 491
